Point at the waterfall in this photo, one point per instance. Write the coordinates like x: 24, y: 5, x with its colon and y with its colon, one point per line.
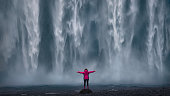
x: 26, y: 33
x: 122, y: 34
x: 125, y: 41
x: 155, y: 35
x: 59, y: 38
x: 28, y: 27
x: 31, y: 12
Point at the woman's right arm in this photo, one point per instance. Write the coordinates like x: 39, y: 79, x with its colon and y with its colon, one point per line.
x: 91, y: 71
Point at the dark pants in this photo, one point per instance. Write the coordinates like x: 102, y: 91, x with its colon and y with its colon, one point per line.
x: 86, y: 80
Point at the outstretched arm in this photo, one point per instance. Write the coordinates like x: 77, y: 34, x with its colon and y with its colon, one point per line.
x: 80, y: 72
x: 91, y: 71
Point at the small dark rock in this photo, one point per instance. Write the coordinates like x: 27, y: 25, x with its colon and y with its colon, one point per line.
x: 85, y: 91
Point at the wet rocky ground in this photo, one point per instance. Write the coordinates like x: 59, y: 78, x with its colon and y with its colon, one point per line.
x: 98, y: 90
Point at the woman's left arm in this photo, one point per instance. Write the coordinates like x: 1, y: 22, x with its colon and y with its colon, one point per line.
x: 80, y: 72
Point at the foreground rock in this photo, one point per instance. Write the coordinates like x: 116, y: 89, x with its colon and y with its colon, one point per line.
x: 85, y: 91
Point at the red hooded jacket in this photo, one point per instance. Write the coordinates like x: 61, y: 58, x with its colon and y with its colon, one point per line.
x: 86, y: 73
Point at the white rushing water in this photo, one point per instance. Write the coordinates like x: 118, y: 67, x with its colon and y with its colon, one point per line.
x: 125, y: 41
x: 59, y: 38
x: 155, y: 36
x: 31, y: 12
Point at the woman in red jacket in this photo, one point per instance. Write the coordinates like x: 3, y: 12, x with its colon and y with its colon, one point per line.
x: 86, y: 76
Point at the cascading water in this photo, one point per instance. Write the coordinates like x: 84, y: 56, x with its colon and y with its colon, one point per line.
x: 155, y: 35
x: 22, y: 33
x: 47, y: 41
x: 58, y: 11
x: 30, y: 51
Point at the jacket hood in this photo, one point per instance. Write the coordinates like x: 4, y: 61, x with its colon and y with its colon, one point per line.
x: 85, y: 71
